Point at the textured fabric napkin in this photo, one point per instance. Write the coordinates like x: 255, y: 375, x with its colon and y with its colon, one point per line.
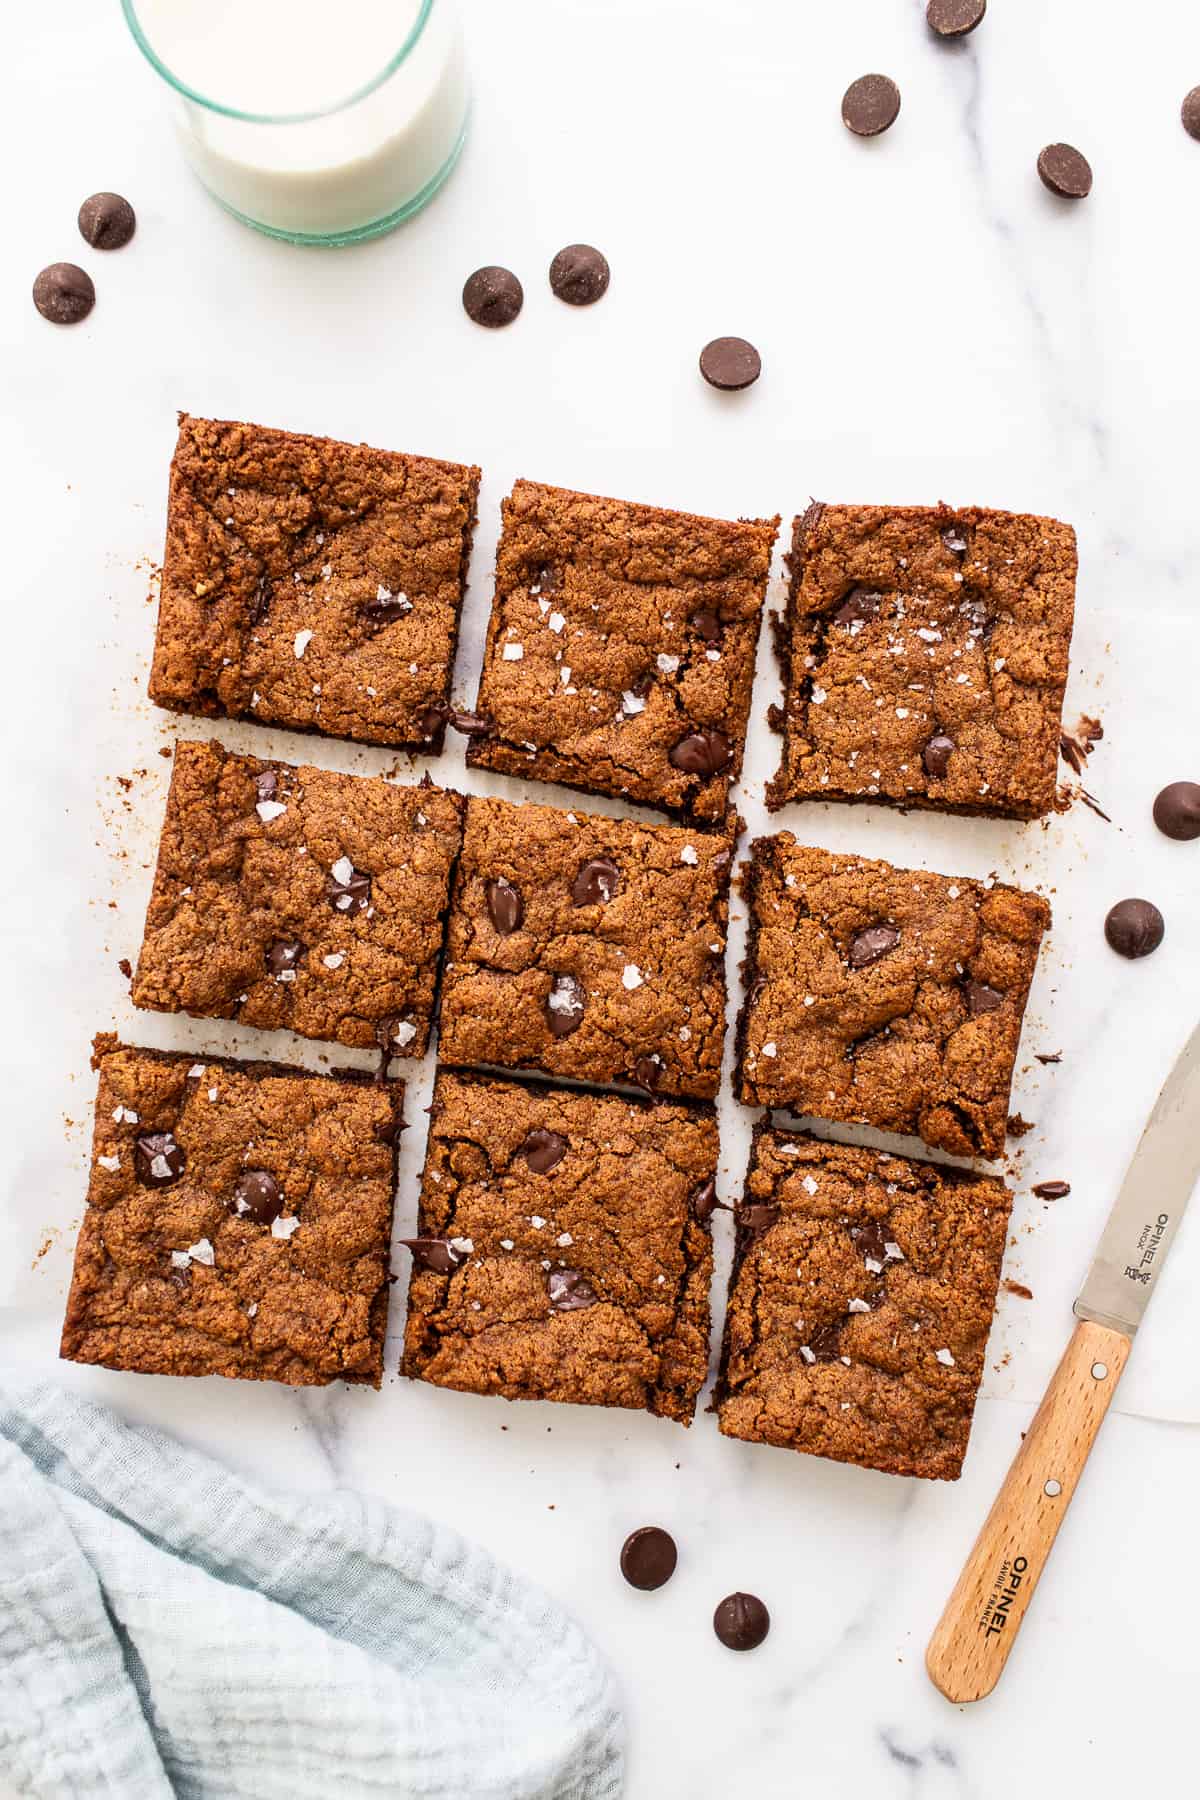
x: 167, y: 1629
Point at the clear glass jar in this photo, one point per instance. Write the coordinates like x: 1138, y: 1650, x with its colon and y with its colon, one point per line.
x: 339, y: 173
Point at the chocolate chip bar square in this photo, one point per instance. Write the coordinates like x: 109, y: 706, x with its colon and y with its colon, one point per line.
x: 588, y: 947
x: 564, y: 1249
x: 861, y: 1298
x: 312, y: 584
x: 238, y: 1220
x: 620, y: 654
x: 293, y: 897
x: 883, y: 996
x: 925, y: 655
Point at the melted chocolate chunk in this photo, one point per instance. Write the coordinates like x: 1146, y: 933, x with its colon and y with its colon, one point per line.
x: 706, y: 623
x: 648, y: 1557
x: 741, y: 1621
x: 283, y: 958
x: 157, y: 1159
x: 703, y: 1201
x: 858, y: 606
x: 955, y: 539
x: 981, y: 998
x: 705, y: 752
x: 543, y: 1149
x: 647, y: 1072
x: 266, y: 784
x: 506, y: 908
x: 437, y: 1254
x: 348, y: 892
x: 257, y: 1196
x: 261, y: 603
x: 570, y: 1291
x: 565, y: 1005
x: 869, y: 946
x: 596, y: 882
x: 1052, y: 1190
x: 826, y: 1341
x: 469, y: 723
x: 756, y: 1218
x: 385, y: 606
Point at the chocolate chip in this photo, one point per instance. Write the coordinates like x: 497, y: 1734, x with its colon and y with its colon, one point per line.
x: 809, y: 519
x: 704, y: 752
x: 1065, y: 171
x: 1052, y: 1190
x: 703, y: 1201
x: 431, y: 719
x: 1189, y: 112
x: 859, y: 605
x: 870, y: 105
x: 648, y: 1557
x: 437, y: 1254
x: 257, y: 1196
x: 866, y: 947
x: 351, y: 895
x: 157, y: 1159
x: 756, y: 1218
x: 1134, y: 928
x: 565, y: 1004
x: 261, y: 601
x: 469, y: 723
x: 543, y: 1150
x: 492, y: 296
x: 284, y: 957
x: 1177, y: 811
x: 647, y: 1073
x: 107, y: 221
x: 741, y: 1621
x: 266, y: 784
x: 384, y: 606
x: 506, y: 908
x: 596, y: 882
x: 981, y: 998
x: 730, y: 363
x: 954, y: 18
x: 64, y: 294
x: 706, y: 623
x: 935, y: 757
x: 955, y: 539
x: 570, y: 1291
x: 579, y: 275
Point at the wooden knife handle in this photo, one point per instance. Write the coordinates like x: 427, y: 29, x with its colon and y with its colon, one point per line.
x: 969, y: 1648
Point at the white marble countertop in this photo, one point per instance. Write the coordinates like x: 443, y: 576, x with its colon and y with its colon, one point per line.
x: 933, y: 324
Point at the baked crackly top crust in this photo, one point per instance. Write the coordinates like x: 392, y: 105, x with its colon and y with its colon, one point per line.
x: 620, y: 632
x: 294, y: 897
x: 565, y: 1194
x: 910, y: 627
x: 311, y: 584
x: 885, y: 996
x: 607, y: 967
x: 171, y: 1278
x: 860, y: 1304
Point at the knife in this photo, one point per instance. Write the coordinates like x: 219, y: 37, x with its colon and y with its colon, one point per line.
x: 975, y: 1634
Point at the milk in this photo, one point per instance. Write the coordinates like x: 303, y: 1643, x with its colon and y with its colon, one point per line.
x: 359, y: 165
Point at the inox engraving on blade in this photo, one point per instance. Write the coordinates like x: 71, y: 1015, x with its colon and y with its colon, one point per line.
x: 1147, y: 1211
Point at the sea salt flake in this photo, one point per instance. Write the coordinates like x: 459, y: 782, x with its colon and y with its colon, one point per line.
x: 537, y: 1221
x: 513, y: 652
x: 111, y: 1163
x: 556, y: 621
x: 563, y: 1239
x: 123, y: 1115
x: 196, y: 1072
x: 180, y: 1259
x: 463, y: 1246
x: 212, y: 1093
x: 819, y: 696
x: 810, y: 1356
x: 301, y: 642
x: 342, y: 871
x: 770, y: 1048
x: 506, y: 1243
x: 631, y: 976
x: 270, y: 809
x: 859, y: 1306
x: 404, y: 1032
x: 667, y: 664
x: 945, y: 1358
x: 283, y: 1228
x: 632, y: 703
x: 892, y: 1251
x: 809, y: 1185
x: 201, y: 1251
x: 334, y: 960
x: 689, y: 855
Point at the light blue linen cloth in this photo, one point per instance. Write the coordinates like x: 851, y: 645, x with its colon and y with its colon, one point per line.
x: 165, y: 1628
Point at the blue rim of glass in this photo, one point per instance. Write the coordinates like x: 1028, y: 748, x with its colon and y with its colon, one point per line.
x: 128, y: 7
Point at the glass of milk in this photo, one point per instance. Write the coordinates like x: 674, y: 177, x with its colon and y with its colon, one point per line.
x: 317, y: 122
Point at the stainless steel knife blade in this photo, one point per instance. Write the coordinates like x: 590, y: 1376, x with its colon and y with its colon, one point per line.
x: 1153, y: 1197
